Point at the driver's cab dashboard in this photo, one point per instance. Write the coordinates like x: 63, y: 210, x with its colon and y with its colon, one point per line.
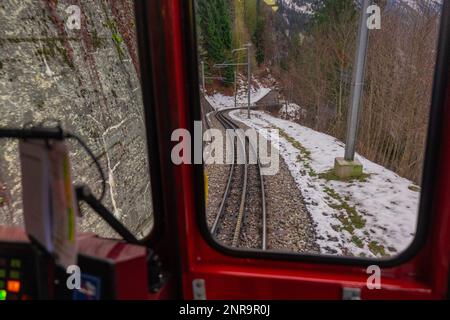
x: 19, y: 265
x: 108, y: 269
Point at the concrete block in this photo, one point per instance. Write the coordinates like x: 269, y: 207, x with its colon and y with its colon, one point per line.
x: 347, y: 169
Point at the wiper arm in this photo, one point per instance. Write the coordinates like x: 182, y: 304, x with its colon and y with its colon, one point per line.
x: 84, y: 194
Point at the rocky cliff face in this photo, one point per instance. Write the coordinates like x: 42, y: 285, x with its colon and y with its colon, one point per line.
x: 86, y: 80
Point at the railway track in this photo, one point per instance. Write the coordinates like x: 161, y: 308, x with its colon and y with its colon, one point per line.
x: 239, y: 222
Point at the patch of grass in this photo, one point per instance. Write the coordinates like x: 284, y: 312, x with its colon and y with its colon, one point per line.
x: 311, y: 171
x: 333, y: 194
x: 349, y: 217
x: 2, y: 201
x: 304, y: 156
x: 350, y: 220
x: 358, y: 242
x: 305, y: 153
x: 116, y: 37
x: 414, y: 188
x: 330, y: 175
x: 377, y: 249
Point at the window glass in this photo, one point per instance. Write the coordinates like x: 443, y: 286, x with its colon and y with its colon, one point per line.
x: 76, y: 63
x: 294, y: 63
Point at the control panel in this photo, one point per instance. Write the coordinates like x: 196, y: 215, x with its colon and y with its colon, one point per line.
x: 11, y: 279
x: 109, y: 269
x: 23, y: 269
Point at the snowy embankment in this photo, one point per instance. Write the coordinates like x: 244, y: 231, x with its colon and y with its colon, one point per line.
x: 304, y: 9
x: 291, y: 111
x: 219, y: 101
x: 374, y: 216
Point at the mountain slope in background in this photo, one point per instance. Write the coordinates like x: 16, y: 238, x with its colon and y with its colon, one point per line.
x: 298, y: 12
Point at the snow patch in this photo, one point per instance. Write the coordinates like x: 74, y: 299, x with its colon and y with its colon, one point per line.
x: 374, y: 217
x: 257, y: 92
x: 420, y: 5
x: 304, y: 9
x: 291, y: 111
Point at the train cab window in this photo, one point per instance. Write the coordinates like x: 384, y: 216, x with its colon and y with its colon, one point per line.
x: 76, y: 65
x: 316, y: 116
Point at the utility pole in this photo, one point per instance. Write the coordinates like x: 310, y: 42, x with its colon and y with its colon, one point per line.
x: 349, y: 167
x: 249, y: 80
x: 288, y: 104
x: 249, y: 71
x: 358, y: 83
x: 203, y: 77
x: 235, y: 89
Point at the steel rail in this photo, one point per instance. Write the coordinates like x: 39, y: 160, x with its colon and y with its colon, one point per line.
x: 229, y: 124
x: 227, y: 189
x: 263, y: 202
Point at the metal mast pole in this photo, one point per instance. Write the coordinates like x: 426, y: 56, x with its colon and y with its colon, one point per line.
x: 235, y: 89
x: 203, y: 76
x: 249, y: 80
x: 358, y: 83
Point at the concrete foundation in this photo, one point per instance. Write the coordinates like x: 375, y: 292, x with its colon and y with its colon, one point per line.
x: 347, y: 169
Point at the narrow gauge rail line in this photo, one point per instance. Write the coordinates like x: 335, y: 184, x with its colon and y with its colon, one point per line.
x: 242, y: 142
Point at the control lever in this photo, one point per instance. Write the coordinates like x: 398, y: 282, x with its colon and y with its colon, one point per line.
x: 84, y: 194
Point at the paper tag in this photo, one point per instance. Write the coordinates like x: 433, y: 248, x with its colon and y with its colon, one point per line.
x: 65, y: 209
x: 36, y: 195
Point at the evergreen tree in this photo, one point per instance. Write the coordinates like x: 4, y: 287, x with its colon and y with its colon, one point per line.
x: 258, y: 41
x: 251, y: 14
x: 329, y: 12
x: 216, y: 29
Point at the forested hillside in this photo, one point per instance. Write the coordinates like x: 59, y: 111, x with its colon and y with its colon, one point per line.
x: 309, y: 47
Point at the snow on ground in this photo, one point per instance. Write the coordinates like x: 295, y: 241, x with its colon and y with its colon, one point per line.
x: 257, y: 92
x: 375, y: 216
x: 305, y: 8
x: 291, y: 111
x: 372, y: 217
x: 420, y: 5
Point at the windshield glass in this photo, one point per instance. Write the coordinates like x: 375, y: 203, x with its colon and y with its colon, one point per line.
x: 341, y: 90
